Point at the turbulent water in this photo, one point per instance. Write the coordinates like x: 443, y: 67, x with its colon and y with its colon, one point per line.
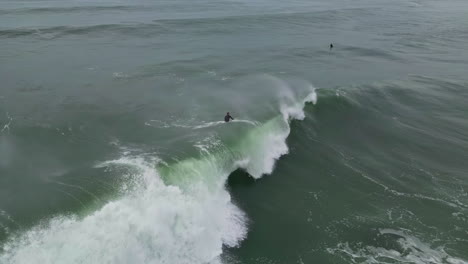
x: 113, y: 147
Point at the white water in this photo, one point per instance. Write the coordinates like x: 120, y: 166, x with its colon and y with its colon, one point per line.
x: 273, y: 135
x: 414, y: 251
x: 160, y: 223
x: 154, y: 224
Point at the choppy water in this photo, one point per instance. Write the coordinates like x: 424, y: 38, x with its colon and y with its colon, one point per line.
x: 113, y: 149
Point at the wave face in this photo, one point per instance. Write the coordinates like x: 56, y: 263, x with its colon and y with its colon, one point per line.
x: 171, y: 213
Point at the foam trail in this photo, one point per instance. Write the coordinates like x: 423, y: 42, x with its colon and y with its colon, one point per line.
x: 217, y: 123
x: 204, y: 125
x: 7, y: 125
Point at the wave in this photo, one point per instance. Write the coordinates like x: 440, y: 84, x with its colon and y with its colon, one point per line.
x: 171, y: 213
x: 221, y: 24
x: 71, y: 9
x: 373, y: 53
x: 141, y: 30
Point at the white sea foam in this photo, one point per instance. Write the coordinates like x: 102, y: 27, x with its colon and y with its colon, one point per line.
x: 155, y: 224
x: 413, y: 250
x: 6, y: 127
x: 208, y: 144
x: 268, y: 143
x: 120, y: 75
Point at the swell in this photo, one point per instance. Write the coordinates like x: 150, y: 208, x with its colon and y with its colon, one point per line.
x: 413, y: 125
x: 73, y: 9
x: 426, y: 109
x: 216, y: 24
x: 62, y: 31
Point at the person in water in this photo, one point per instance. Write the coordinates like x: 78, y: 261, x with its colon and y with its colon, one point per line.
x: 228, y: 117
x: 331, y: 45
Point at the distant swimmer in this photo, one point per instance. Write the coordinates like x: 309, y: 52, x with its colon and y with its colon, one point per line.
x: 228, y: 117
x: 331, y: 45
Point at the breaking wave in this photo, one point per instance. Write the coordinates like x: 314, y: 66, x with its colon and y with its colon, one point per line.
x: 170, y: 213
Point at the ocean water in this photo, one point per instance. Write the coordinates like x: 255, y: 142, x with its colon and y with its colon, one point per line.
x: 113, y: 148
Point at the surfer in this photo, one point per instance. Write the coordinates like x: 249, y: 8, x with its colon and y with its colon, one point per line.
x: 331, y: 46
x: 228, y: 117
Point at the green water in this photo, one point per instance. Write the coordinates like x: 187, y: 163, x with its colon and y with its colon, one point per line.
x: 113, y: 149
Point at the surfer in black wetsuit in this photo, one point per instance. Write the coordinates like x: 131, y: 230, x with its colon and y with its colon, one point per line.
x: 331, y: 46
x: 228, y: 117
